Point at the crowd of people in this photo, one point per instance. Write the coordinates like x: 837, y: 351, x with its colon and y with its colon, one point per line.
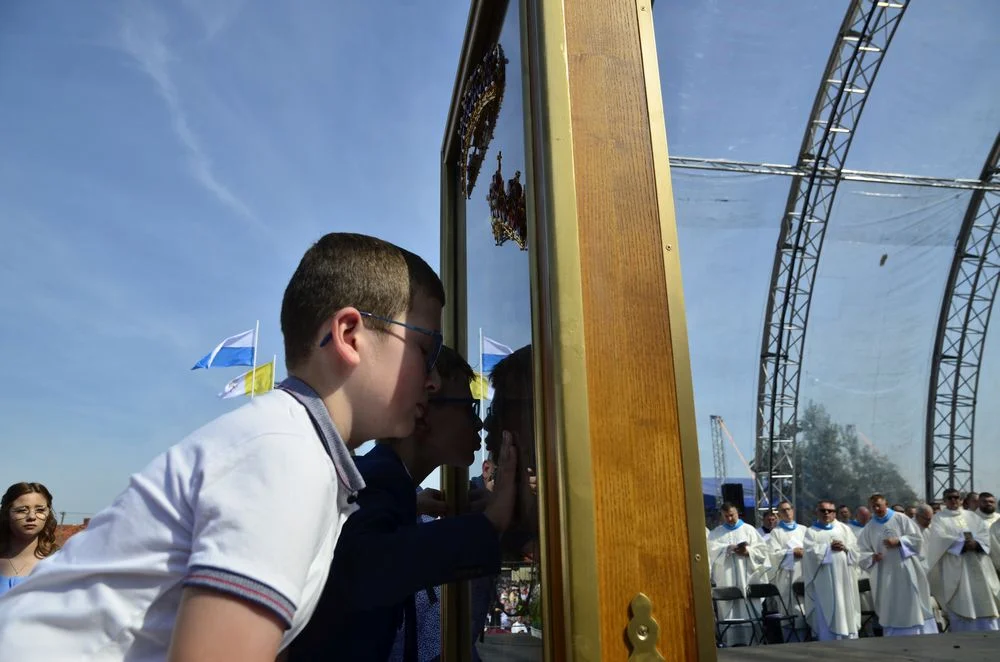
x: 260, y: 536
x: 186, y: 564
x: 516, y: 600
x: 887, y: 570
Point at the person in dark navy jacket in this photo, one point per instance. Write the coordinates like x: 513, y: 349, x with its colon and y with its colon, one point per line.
x: 384, y: 556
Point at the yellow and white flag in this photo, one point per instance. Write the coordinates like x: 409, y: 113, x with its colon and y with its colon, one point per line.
x: 480, y: 385
x: 256, y: 381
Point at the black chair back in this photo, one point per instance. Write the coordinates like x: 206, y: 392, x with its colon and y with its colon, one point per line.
x: 763, y: 591
x: 723, y: 594
x: 726, y: 593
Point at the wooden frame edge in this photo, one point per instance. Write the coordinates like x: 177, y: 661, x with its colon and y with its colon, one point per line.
x: 567, y: 523
x: 456, y: 599
x: 701, y: 586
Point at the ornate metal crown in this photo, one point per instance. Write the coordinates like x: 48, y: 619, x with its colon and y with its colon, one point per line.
x: 508, y: 209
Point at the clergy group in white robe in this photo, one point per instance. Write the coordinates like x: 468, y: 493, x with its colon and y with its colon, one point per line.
x: 961, y: 574
x: 829, y: 562
x: 890, y: 546
x: 737, y: 557
x: 787, y: 540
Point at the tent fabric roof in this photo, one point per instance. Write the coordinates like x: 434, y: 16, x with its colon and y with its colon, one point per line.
x: 739, y: 80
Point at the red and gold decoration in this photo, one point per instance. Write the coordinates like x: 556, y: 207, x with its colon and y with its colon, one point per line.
x: 508, y: 209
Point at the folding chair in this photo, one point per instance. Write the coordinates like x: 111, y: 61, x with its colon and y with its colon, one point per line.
x: 868, y: 616
x: 729, y: 595
x: 799, y: 591
x: 758, y: 592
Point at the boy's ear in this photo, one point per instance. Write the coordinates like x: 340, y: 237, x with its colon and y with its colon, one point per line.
x: 345, y: 327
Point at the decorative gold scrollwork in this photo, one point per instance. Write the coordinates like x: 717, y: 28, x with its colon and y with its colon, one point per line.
x: 480, y: 109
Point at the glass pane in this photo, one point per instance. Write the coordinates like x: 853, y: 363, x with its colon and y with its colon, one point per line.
x: 506, y: 609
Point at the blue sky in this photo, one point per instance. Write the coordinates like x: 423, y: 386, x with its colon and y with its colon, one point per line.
x: 164, y: 167
x: 166, y: 164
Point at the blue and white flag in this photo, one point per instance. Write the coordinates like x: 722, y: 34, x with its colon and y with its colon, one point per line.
x: 234, y: 350
x: 493, y: 352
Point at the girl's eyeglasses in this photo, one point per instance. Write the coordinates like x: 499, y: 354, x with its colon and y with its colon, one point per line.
x: 41, y: 512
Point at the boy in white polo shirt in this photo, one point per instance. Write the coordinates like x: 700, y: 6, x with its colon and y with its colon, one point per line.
x: 219, y: 549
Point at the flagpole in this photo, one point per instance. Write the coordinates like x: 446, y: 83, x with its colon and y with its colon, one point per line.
x: 253, y: 370
x: 482, y: 393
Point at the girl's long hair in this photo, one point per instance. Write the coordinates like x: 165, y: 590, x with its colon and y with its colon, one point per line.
x: 47, y: 536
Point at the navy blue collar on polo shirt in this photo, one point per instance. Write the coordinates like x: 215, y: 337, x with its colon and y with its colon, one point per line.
x: 327, y: 430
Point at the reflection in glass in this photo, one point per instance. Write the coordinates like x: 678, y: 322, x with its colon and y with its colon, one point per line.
x: 506, y: 610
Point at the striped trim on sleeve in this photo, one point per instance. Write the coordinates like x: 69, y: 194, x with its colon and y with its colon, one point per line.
x: 243, y: 587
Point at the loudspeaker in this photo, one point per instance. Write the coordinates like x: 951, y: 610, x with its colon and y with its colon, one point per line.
x: 733, y: 493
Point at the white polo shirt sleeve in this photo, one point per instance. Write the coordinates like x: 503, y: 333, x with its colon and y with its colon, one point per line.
x: 259, y: 519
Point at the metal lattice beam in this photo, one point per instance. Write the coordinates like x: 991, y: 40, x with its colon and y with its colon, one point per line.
x: 961, y: 334
x: 750, y: 168
x: 718, y: 456
x: 857, y: 54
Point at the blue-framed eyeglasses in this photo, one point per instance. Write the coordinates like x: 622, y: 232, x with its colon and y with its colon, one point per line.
x: 471, y: 403
x: 432, y: 355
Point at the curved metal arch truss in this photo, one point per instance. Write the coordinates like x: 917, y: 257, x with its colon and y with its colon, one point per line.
x: 857, y: 54
x: 961, y: 335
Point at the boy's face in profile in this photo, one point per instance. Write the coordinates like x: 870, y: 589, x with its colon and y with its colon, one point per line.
x: 396, y: 377
x: 452, y: 423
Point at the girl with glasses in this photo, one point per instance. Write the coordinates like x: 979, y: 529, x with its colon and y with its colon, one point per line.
x: 27, y: 531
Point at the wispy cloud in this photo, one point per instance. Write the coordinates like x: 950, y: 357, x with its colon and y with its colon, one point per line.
x: 144, y: 34
x: 214, y: 16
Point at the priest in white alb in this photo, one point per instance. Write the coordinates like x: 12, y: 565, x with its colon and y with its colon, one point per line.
x: 786, y: 565
x: 890, y: 547
x: 995, y: 545
x: 961, y: 574
x: 988, y: 508
x: 861, y: 517
x: 769, y: 519
x: 737, y: 557
x: 829, y: 562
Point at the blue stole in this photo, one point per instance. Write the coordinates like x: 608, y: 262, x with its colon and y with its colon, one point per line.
x: 888, y: 516
x: 733, y: 527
